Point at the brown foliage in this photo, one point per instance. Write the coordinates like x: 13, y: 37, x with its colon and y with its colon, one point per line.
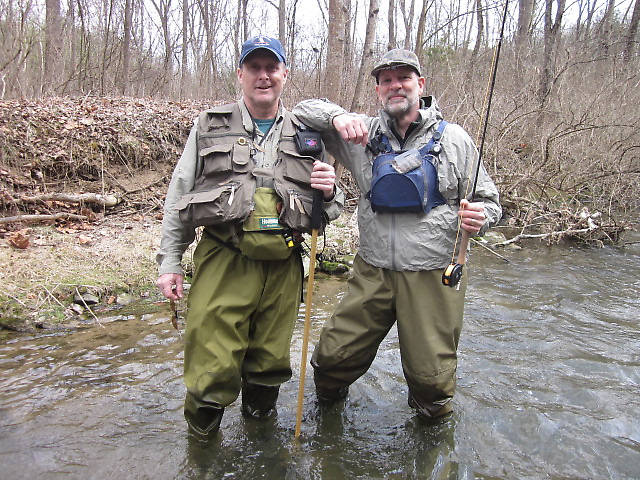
x: 106, y: 145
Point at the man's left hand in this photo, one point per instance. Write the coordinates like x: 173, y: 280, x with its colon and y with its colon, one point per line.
x: 323, y: 178
x: 472, y: 215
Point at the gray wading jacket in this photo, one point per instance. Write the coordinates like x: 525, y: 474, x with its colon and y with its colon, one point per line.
x: 176, y: 236
x: 408, y: 241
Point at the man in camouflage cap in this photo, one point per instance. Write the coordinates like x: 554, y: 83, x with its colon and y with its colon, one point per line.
x: 397, y: 272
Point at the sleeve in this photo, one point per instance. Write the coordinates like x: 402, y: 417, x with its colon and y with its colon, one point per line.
x: 175, y: 236
x: 318, y: 114
x: 459, y: 144
x: 333, y: 208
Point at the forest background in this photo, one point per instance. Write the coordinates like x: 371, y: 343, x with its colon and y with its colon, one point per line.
x: 97, y: 96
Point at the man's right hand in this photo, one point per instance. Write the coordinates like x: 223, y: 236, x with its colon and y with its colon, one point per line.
x: 170, y: 284
x: 351, y: 128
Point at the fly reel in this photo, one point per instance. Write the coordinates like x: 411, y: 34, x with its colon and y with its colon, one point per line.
x: 452, y: 275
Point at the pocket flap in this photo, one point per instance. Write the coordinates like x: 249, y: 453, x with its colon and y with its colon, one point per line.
x: 218, y: 148
x: 199, y: 197
x: 290, y: 149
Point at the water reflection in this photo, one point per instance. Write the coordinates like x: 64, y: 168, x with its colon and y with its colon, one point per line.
x: 548, y: 385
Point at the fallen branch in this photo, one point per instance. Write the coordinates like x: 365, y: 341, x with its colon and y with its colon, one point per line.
x: 489, y: 249
x: 42, y: 218
x: 53, y: 296
x: 521, y: 236
x: 87, y: 307
x: 103, y: 200
x: 146, y: 187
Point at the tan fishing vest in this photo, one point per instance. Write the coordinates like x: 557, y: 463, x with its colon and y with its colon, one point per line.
x: 223, y: 193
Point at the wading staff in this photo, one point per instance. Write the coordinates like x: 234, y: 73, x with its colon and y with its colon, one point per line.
x: 316, y: 223
x: 453, y: 273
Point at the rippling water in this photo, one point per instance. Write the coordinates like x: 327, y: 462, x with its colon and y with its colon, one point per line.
x: 548, y: 387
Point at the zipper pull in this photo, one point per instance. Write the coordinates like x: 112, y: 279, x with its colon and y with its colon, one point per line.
x: 300, y: 206
x: 292, y: 200
x: 233, y: 191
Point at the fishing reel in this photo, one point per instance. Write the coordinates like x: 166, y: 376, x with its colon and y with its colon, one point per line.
x: 452, y: 275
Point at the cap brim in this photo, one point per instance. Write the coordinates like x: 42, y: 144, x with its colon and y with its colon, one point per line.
x: 270, y: 50
x: 393, y: 65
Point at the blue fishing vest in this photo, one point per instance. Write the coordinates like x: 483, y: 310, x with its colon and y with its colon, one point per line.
x: 406, y: 181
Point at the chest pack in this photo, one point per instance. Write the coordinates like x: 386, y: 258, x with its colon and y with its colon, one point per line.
x: 406, y: 181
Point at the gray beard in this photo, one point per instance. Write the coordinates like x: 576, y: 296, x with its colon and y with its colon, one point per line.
x: 396, y: 111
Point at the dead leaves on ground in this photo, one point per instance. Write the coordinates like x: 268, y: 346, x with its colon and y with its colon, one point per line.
x: 19, y: 239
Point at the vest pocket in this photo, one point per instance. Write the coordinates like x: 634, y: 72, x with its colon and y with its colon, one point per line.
x: 230, y: 202
x: 216, y: 158
x: 240, y: 158
x: 223, y: 158
x: 296, y: 210
x: 296, y: 168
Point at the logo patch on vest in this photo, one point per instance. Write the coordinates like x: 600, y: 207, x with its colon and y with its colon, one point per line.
x: 311, y: 142
x: 270, y: 223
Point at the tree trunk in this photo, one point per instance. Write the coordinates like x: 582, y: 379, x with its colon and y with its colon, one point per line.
x: 291, y: 53
x: 525, y: 19
x: 408, y: 22
x: 126, y: 47
x: 335, y: 52
x: 480, y: 30
x: 604, y: 29
x: 106, y: 54
x: 632, y: 32
x: 551, y: 37
x: 391, y: 14
x: 282, y: 17
x: 347, y: 54
x: 183, y: 66
x: 367, y: 53
x: 420, y: 33
x: 52, y: 46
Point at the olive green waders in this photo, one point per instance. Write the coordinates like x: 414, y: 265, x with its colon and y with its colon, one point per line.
x: 241, y: 314
x: 429, y: 318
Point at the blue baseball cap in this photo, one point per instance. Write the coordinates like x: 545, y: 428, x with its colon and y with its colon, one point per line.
x: 273, y: 45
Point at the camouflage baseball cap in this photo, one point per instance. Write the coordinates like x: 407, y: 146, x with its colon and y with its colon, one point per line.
x: 397, y: 57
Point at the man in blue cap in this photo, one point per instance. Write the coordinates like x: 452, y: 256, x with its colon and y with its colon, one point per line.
x: 247, y: 179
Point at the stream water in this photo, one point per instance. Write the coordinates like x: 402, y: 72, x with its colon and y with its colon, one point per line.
x: 548, y: 387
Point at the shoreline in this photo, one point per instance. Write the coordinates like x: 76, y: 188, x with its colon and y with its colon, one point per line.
x: 54, y: 282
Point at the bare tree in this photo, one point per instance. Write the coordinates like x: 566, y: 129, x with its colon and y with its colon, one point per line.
x: 391, y: 20
x: 367, y: 53
x: 604, y: 28
x: 480, y: 29
x: 347, y: 54
x: 282, y: 17
x: 632, y: 32
x: 185, y: 47
x: 241, y: 27
x: 53, y: 44
x: 525, y: 23
x: 551, y: 38
x: 163, y: 9
x: 126, y: 46
x: 335, y: 51
x: 426, y: 4
x: 292, y: 33
x: 407, y: 16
